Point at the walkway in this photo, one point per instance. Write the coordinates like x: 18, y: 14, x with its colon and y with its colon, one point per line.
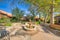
x: 45, y: 33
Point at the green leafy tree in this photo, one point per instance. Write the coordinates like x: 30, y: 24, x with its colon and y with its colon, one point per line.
x: 17, y: 13
x: 33, y: 11
x: 46, y: 6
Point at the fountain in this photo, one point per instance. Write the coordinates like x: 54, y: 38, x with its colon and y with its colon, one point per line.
x: 29, y: 30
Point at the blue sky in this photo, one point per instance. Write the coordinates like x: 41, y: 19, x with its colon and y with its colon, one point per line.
x: 5, y: 5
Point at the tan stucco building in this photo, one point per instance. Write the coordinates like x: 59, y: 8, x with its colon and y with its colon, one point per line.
x: 57, y: 18
x: 5, y: 14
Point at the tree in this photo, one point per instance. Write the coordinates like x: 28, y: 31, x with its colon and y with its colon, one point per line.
x: 17, y: 13
x: 45, y: 6
x: 33, y: 11
x: 49, y: 5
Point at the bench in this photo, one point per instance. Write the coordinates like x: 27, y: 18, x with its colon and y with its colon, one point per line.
x: 4, y: 33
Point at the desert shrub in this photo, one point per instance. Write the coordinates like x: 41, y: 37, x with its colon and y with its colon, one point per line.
x: 14, y: 19
x: 4, y: 20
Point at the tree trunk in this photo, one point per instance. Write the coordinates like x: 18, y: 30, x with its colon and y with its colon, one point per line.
x: 45, y: 19
x: 51, y: 14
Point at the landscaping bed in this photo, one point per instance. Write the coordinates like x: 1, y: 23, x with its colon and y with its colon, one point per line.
x: 55, y: 26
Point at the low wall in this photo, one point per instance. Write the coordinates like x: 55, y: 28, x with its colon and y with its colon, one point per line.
x: 55, y: 26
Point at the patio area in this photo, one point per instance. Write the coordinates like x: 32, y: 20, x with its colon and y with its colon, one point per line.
x: 45, y: 33
x: 39, y: 36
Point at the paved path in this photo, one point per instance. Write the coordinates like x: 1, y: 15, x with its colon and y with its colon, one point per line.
x: 39, y: 36
x: 45, y: 33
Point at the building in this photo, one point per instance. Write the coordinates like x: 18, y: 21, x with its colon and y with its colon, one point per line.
x: 5, y: 14
x: 57, y: 18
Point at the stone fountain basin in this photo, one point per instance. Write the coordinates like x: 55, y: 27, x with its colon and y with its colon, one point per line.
x: 30, y: 28
x: 30, y: 31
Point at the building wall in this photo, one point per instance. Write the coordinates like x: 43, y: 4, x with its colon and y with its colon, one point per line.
x: 3, y: 15
x: 58, y: 20
x: 0, y: 15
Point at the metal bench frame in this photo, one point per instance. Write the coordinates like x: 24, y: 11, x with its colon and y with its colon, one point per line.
x: 4, y: 34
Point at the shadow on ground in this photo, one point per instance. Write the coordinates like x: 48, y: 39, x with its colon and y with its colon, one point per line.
x: 49, y: 30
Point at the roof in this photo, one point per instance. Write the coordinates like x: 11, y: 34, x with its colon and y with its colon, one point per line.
x: 8, y: 14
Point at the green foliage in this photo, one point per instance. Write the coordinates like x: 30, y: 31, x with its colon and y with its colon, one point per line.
x: 17, y: 14
x: 46, y: 6
x: 38, y: 22
x: 14, y: 19
x: 33, y: 12
x: 3, y: 20
x: 8, y: 24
